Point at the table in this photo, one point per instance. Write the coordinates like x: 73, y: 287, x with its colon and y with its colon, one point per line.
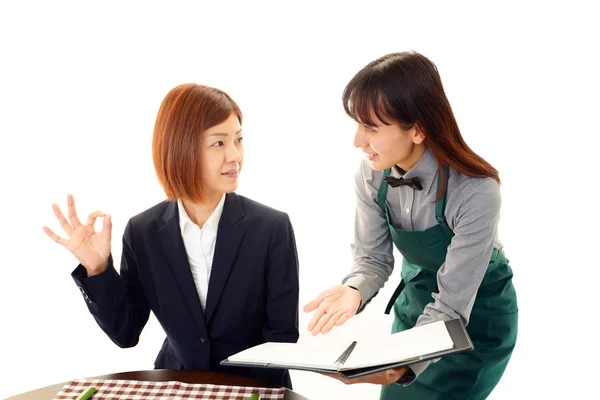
x: 162, y: 375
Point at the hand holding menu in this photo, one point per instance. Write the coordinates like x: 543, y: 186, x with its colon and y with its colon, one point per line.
x: 362, y: 357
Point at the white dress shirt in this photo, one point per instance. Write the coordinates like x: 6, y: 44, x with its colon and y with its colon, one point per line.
x: 200, y: 246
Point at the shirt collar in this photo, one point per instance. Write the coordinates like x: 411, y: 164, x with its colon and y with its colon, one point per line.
x: 212, y: 222
x: 425, y: 169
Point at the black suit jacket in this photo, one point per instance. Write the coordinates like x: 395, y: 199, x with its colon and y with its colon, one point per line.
x: 252, y: 293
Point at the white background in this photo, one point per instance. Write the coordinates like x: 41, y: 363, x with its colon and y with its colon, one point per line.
x: 81, y: 83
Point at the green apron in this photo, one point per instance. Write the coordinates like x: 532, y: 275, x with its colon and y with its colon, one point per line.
x: 492, y: 324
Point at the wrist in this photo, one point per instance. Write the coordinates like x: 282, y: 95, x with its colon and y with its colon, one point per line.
x: 96, y: 269
x: 358, y: 295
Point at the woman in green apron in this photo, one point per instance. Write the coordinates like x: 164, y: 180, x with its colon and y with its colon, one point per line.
x: 422, y: 189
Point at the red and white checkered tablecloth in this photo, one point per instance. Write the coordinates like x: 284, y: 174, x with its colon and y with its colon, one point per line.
x: 141, y: 390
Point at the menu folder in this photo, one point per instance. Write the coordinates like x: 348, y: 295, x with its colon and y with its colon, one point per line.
x: 459, y: 341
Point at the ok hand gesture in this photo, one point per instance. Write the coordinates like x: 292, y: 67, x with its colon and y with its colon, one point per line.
x: 91, y: 248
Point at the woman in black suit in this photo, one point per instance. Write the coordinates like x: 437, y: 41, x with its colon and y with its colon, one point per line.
x: 218, y: 270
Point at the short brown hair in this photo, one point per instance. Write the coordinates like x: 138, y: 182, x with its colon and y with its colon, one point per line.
x: 186, y: 112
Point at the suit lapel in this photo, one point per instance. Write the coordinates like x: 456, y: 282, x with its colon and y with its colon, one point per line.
x: 229, y: 238
x: 170, y: 236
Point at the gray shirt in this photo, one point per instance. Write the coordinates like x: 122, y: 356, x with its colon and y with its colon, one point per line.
x: 472, y: 212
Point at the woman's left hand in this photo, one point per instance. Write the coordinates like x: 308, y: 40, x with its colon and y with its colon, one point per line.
x: 381, y: 378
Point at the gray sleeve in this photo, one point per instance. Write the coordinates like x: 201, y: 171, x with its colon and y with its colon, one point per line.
x: 467, y: 259
x: 372, y: 243
x: 468, y: 255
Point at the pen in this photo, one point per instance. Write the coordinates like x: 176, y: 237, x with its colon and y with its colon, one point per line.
x: 87, y: 393
x: 342, y: 359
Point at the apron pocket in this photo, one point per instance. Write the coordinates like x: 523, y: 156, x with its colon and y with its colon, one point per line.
x: 411, y: 303
x: 498, y: 298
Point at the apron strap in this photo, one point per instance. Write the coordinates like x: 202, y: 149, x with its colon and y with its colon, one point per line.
x: 430, y: 280
x: 381, y: 194
x: 397, y: 292
x: 440, y: 205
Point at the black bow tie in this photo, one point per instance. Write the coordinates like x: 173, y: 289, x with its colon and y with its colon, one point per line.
x: 412, y: 182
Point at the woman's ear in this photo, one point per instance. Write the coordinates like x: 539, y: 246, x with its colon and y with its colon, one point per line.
x: 418, y: 134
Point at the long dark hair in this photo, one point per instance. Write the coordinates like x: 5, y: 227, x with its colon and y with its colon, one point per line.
x: 406, y: 89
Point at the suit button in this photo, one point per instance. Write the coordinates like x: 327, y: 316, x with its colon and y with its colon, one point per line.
x: 85, y: 295
x: 203, y: 339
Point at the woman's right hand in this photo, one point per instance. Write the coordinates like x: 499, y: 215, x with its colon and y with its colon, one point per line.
x: 333, y: 307
x: 91, y: 248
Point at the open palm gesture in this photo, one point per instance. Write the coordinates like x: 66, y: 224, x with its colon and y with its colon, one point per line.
x: 334, y: 307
